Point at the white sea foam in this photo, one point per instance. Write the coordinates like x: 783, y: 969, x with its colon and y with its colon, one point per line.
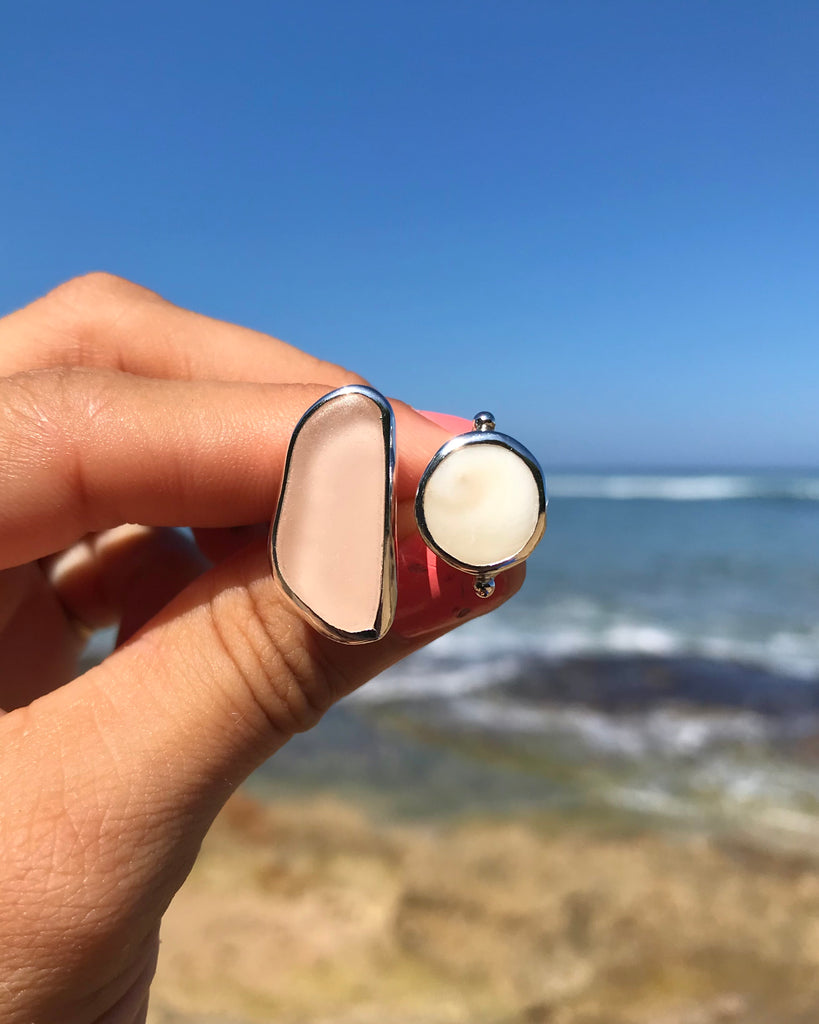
x: 439, y: 677
x: 488, y: 654
x: 682, y: 487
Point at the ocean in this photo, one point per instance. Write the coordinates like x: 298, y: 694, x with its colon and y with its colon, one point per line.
x: 720, y: 567
x: 662, y: 658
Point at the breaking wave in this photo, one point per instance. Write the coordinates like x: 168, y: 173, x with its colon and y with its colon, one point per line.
x: 683, y: 487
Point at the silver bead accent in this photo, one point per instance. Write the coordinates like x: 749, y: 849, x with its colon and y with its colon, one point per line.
x: 484, y: 586
x: 483, y: 421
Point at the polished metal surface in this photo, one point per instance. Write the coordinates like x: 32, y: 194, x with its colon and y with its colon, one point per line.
x: 483, y: 421
x: 484, y: 586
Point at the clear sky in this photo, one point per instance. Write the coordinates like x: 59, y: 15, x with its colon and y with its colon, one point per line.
x: 598, y: 219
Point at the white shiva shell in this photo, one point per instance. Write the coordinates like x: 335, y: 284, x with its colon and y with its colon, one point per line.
x: 482, y: 505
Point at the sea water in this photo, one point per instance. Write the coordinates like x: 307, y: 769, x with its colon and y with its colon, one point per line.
x: 725, y: 567
x: 667, y: 633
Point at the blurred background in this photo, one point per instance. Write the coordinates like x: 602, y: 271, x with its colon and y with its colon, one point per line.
x: 600, y: 220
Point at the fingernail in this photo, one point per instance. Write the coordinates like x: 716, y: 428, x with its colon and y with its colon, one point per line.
x: 453, y: 424
x: 432, y: 595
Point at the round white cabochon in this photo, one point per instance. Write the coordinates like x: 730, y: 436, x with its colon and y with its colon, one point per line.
x: 481, y: 504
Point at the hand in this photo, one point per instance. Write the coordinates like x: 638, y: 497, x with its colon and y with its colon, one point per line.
x: 117, y: 407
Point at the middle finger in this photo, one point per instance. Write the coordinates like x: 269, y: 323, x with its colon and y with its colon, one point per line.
x: 107, y: 322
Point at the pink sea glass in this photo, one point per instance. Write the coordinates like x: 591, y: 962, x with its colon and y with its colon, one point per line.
x: 332, y: 546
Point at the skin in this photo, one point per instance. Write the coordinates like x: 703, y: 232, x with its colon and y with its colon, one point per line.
x: 117, y: 407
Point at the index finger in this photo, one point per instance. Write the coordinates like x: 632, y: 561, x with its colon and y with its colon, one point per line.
x: 84, y: 450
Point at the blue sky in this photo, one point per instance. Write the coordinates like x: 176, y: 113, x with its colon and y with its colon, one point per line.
x: 598, y: 219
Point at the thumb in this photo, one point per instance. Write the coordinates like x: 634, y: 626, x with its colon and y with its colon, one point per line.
x: 229, y: 672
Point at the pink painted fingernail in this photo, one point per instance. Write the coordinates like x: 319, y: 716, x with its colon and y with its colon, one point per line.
x: 454, y: 424
x: 433, y: 596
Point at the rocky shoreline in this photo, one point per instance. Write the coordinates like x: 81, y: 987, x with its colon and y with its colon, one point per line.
x: 313, y: 911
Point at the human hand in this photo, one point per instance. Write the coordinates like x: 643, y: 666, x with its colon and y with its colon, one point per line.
x: 117, y: 407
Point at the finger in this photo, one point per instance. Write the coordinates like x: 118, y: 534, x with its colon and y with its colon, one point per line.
x: 104, y: 321
x: 124, y: 575
x: 48, y: 611
x: 38, y: 645
x: 84, y: 450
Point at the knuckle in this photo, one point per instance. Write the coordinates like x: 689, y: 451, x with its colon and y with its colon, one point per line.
x: 54, y: 401
x: 32, y: 407
x: 96, y: 286
x: 82, y: 310
x: 45, y: 414
x: 276, y: 662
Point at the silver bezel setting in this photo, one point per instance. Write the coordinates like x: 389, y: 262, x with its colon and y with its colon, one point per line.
x: 480, y: 435
x: 389, y: 586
